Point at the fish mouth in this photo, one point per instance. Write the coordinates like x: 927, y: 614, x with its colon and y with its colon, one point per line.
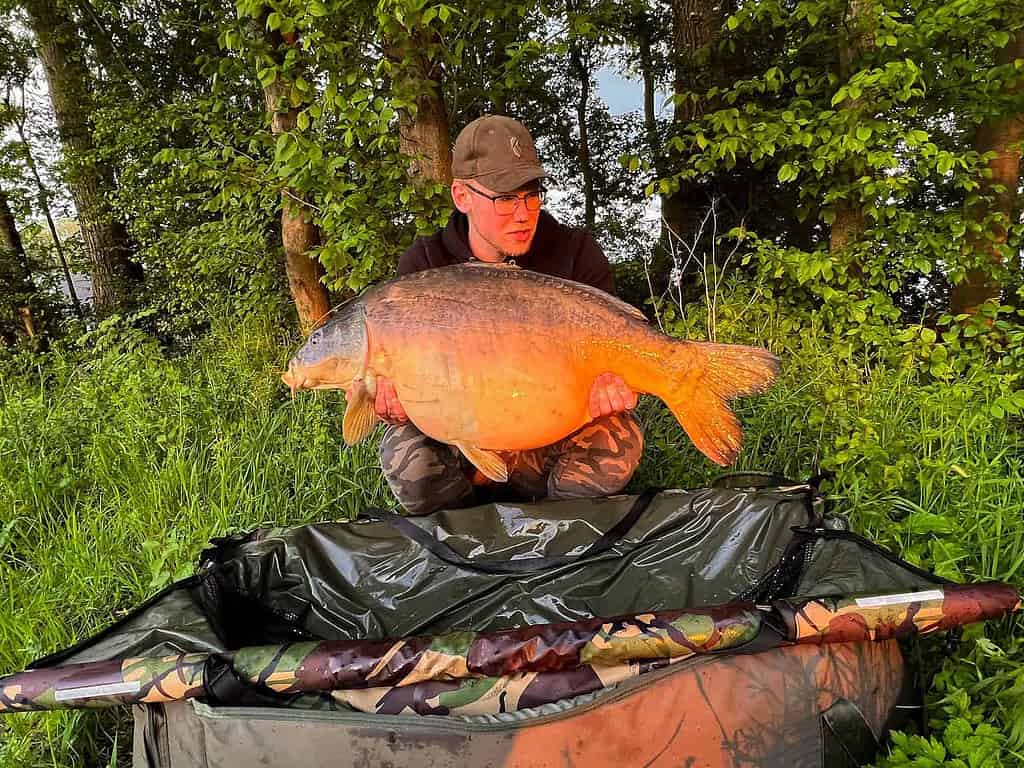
x: 296, y: 380
x: 293, y: 381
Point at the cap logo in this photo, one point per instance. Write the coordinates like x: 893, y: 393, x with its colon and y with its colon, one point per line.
x: 514, y: 143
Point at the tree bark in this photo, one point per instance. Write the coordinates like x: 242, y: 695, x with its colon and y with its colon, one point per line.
x: 499, y: 63
x: 1001, y: 134
x: 425, y: 138
x: 847, y: 227
x: 11, y: 248
x: 643, y: 32
x: 116, y: 275
x: 849, y: 223
x: 299, y: 233
x: 695, y: 25
x: 582, y: 72
x: 14, y: 269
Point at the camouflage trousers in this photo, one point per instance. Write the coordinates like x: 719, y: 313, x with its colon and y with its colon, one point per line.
x: 426, y: 475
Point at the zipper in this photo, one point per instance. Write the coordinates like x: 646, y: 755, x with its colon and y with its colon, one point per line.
x: 828, y: 534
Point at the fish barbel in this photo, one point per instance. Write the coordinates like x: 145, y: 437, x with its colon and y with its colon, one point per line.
x: 492, y: 358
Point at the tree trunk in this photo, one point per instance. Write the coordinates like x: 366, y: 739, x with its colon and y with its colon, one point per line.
x: 582, y: 72
x: 116, y: 276
x: 499, y: 64
x: 1001, y: 135
x: 847, y: 227
x: 425, y: 138
x: 650, y: 87
x: 695, y: 25
x: 298, y: 231
x: 11, y: 249
x: 849, y: 222
x: 14, y: 269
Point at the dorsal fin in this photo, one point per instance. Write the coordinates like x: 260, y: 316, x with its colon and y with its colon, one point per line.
x: 567, y: 284
x: 607, y: 298
x: 493, y: 264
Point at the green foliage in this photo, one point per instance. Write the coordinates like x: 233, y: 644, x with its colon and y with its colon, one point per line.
x: 118, y: 461
x: 977, y: 703
x: 118, y: 464
x: 919, y: 429
x: 865, y: 108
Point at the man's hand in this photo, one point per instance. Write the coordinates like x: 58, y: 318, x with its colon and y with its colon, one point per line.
x: 386, y: 404
x: 610, y: 394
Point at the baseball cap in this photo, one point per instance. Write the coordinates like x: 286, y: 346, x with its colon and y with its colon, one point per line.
x: 498, y: 152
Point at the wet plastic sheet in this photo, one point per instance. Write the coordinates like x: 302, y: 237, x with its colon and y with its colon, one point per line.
x: 367, y: 580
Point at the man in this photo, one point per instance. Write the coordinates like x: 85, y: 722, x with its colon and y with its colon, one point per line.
x: 498, y: 218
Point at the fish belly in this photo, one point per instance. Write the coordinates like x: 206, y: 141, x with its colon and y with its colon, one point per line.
x: 493, y: 390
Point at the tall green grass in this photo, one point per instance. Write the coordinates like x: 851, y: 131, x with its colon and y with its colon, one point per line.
x: 116, y: 469
x: 114, y: 474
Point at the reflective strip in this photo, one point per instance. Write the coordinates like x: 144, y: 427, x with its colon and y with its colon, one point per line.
x: 905, y: 597
x: 94, y: 691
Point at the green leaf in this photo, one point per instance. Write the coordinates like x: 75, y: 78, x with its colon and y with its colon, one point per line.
x: 267, y: 76
x: 788, y: 172
x: 274, y: 20
x: 920, y: 522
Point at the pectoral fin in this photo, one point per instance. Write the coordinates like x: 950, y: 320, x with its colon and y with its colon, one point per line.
x: 488, y: 462
x: 360, y: 417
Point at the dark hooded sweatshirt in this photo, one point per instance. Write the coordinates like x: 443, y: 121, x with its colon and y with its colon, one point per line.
x: 556, y: 250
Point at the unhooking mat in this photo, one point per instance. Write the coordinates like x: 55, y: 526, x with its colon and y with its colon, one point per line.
x: 727, y: 626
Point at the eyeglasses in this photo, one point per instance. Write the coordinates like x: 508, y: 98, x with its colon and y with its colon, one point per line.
x: 505, y: 205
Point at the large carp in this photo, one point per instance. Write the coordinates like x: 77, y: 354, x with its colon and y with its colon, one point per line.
x: 493, y: 358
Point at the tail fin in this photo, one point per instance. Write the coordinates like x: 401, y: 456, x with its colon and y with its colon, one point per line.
x: 705, y: 377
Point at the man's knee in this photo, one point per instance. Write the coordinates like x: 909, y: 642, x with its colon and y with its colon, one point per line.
x: 423, y: 474
x: 598, y: 460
